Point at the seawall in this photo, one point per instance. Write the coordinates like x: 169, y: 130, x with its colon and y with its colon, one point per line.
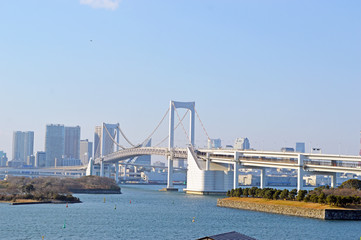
x: 325, y: 214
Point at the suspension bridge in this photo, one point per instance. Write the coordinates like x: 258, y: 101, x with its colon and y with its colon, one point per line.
x: 212, y: 171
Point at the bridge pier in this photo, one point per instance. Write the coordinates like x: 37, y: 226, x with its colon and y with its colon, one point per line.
x: 170, y: 186
x: 263, y: 178
x: 236, y: 170
x: 300, y: 172
x: 333, y: 180
x: 117, y: 172
x: 101, y: 168
x: 208, y: 161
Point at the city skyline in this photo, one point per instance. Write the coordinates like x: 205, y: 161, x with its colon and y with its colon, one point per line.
x: 275, y: 72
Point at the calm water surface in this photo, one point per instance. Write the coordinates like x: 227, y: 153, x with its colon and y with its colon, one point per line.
x: 142, y: 212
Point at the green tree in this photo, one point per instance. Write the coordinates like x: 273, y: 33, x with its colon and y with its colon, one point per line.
x: 269, y: 194
x: 276, y: 194
x: 301, y: 195
x: 322, y: 198
x: 352, y: 183
x: 331, y: 199
x: 292, y: 194
x: 253, y: 191
x: 284, y: 194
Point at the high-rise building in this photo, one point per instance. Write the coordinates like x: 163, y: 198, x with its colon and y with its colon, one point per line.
x: 40, y: 159
x: 23, y: 146
x: 3, y: 159
x: 214, y: 143
x: 54, y: 143
x: 97, y: 137
x: 72, y: 142
x: 300, y: 147
x: 242, y: 144
x: 86, y: 151
x: 108, y: 133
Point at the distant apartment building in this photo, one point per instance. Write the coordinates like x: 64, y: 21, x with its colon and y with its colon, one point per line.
x: 3, y: 159
x: 72, y: 142
x: 300, y: 147
x: 54, y: 143
x: 214, y: 143
x: 86, y: 151
x: 241, y: 144
x: 23, y: 146
x: 40, y: 159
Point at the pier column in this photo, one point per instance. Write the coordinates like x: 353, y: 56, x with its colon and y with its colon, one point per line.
x: 117, y: 172
x: 170, y: 173
x: 263, y: 178
x: 300, y: 172
x: 333, y: 180
x: 236, y: 170
x: 101, y: 168
x: 125, y: 172
x: 208, y: 161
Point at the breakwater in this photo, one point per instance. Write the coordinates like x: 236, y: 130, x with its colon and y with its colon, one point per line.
x: 325, y: 214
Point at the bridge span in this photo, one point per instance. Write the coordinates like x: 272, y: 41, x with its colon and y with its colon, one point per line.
x: 224, y: 164
x: 217, y: 170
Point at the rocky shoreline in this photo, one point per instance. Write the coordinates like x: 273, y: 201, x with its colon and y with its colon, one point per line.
x: 325, y: 214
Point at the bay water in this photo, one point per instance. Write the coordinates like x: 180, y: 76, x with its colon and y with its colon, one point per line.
x: 143, y: 212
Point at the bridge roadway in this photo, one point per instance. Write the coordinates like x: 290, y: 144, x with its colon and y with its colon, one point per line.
x: 322, y: 163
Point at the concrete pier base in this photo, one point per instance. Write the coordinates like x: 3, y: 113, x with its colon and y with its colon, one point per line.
x: 169, y: 190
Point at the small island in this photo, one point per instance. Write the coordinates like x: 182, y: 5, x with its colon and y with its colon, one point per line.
x: 342, y: 203
x: 23, y: 190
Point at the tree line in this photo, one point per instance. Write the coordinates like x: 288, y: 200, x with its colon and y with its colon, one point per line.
x: 347, y: 194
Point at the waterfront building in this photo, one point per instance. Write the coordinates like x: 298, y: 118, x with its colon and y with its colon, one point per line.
x: 3, y: 159
x: 31, y: 161
x: 40, y: 159
x: 214, y: 143
x: 86, y: 151
x: 67, y: 162
x: 23, y: 146
x: 72, y: 142
x: 54, y: 143
x: 242, y: 144
x: 300, y: 147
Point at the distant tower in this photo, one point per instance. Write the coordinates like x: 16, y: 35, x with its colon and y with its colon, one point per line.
x: 54, y: 143
x: 23, y: 145
x: 300, y: 147
x: 72, y: 142
x: 86, y: 151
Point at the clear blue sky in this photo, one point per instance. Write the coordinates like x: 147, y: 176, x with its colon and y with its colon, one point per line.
x: 276, y: 72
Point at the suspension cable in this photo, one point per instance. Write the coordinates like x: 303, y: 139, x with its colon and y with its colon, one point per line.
x: 112, y: 138
x: 120, y: 130
x: 156, y: 128
x: 163, y: 140
x: 204, y: 129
